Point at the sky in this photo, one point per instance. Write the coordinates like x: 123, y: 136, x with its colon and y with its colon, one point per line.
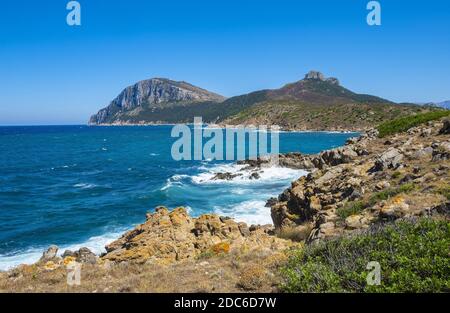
x: 53, y: 73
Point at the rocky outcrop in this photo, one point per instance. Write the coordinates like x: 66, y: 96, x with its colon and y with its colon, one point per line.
x: 83, y: 255
x: 149, y: 95
x: 169, y: 236
x: 368, y: 180
x: 315, y: 75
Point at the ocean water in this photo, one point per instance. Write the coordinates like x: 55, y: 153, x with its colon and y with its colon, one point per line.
x: 77, y: 186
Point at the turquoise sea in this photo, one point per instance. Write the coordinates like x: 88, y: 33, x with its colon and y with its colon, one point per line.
x: 77, y: 186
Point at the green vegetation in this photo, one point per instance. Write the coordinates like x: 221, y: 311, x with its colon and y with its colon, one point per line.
x: 351, y: 208
x: 413, y: 256
x: 445, y: 191
x: 356, y: 207
x: 404, y: 123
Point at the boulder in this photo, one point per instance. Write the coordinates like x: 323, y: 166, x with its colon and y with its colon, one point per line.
x: 445, y: 127
x: 391, y: 159
x: 50, y: 253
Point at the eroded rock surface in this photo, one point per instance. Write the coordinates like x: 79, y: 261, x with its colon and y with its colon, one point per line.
x: 169, y: 236
x: 369, y: 180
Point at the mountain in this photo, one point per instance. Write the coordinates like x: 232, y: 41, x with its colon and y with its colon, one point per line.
x: 444, y: 104
x: 313, y: 103
x: 137, y: 103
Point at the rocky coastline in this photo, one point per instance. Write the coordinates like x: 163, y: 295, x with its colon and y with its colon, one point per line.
x: 370, y: 180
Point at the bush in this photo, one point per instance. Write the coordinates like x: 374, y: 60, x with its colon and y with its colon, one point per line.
x: 413, y: 255
x: 297, y: 233
x: 351, y: 208
x: 404, y: 123
x: 445, y: 191
x: 356, y: 207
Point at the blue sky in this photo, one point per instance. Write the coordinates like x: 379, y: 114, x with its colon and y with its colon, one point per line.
x: 51, y: 73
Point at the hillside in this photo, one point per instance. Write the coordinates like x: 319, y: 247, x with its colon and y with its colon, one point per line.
x: 319, y: 103
x: 313, y: 103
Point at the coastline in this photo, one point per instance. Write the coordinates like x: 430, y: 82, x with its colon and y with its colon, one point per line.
x: 222, y: 126
x: 394, y: 180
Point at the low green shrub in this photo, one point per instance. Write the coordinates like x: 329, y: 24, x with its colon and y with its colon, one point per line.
x: 413, y: 256
x: 351, y: 208
x: 356, y: 207
x: 404, y: 123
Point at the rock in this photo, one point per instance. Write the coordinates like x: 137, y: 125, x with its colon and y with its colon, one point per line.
x: 271, y: 202
x: 314, y: 75
x: 50, y: 253
x: 391, y: 159
x: 84, y: 255
x: 68, y: 253
x: 395, y: 208
x: 338, y: 156
x: 382, y: 185
x: 445, y: 127
x: 255, y: 175
x: 441, y: 151
x: 355, y: 222
x: 422, y: 153
x: 333, y: 80
x: 243, y: 228
x: 170, y: 236
x: 225, y: 176
x: 426, y: 132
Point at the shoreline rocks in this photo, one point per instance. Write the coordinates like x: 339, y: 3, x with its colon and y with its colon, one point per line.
x: 368, y: 180
x: 169, y: 236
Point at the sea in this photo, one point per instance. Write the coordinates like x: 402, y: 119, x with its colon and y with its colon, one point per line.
x: 84, y: 186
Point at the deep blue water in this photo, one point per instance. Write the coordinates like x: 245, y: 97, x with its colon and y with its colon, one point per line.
x: 83, y: 186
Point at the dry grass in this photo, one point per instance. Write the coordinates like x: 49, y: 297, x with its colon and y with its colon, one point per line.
x: 233, y: 272
x: 297, y: 233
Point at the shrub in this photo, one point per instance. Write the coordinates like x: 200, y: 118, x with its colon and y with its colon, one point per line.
x: 351, y: 208
x: 356, y: 207
x: 297, y: 233
x: 404, y: 123
x: 445, y: 191
x: 413, y: 255
x: 252, y: 277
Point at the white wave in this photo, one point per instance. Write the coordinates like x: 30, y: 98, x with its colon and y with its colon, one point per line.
x: 154, y: 154
x: 85, y: 186
x: 96, y: 244
x: 250, y: 212
x: 274, y: 173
